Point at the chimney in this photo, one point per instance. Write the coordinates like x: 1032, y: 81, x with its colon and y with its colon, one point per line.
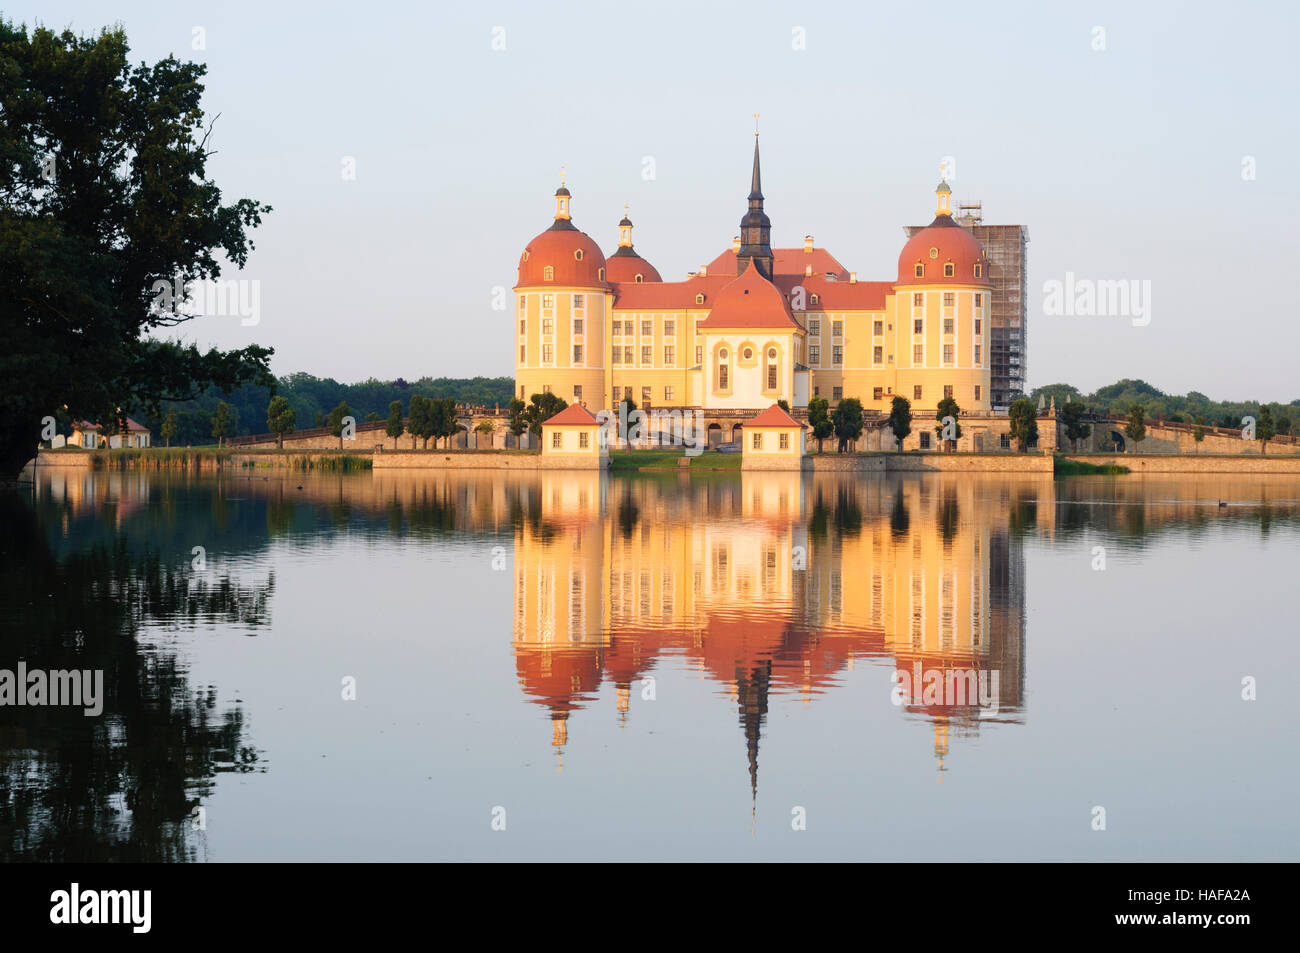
x: 704, y: 271
x: 735, y: 243
x: 808, y: 244
x: 807, y: 271
x: 853, y: 277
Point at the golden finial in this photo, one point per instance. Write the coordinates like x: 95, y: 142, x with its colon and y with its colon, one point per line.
x: 561, y: 175
x: 625, y: 208
x: 756, y: 125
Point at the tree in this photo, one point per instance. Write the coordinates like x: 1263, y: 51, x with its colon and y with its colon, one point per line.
x: 847, y: 421
x: 90, y: 243
x: 169, y: 427
x: 445, y: 424
x: 1199, y: 433
x: 1136, y: 428
x: 819, y: 419
x: 900, y: 419
x: 485, y: 428
x: 1075, y: 429
x: 948, y: 408
x: 783, y: 404
x: 420, y: 420
x: 1023, y: 416
x: 1264, y: 430
x: 515, y: 415
x: 223, y: 422
x: 280, y: 419
x: 543, y: 407
x: 395, y: 427
x: 372, y: 417
x: 335, y: 420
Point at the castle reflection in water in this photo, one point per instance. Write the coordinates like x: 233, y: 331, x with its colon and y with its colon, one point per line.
x: 775, y: 584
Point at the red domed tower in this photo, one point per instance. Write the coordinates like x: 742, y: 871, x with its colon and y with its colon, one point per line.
x: 561, y: 299
x: 625, y: 264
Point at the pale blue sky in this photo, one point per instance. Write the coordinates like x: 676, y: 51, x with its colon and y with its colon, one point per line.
x: 1124, y: 164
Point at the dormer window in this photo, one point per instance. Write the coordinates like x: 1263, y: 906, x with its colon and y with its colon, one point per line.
x: 948, y: 270
x: 815, y: 299
x: 548, y: 273
x: 979, y: 271
x: 525, y: 254
x: 920, y: 270
x: 600, y: 274
x: 577, y: 255
x: 640, y: 278
x: 699, y: 299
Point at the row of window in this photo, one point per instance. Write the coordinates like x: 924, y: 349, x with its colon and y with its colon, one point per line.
x: 628, y: 328
x: 878, y: 393
x: 557, y: 441
x: 949, y: 270
x: 756, y: 440
x: 623, y: 355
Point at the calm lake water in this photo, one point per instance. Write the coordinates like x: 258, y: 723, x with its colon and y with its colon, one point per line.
x: 645, y: 667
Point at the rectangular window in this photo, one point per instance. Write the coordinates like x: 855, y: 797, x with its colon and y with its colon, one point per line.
x: 877, y: 393
x: 577, y: 302
x: 645, y: 395
x: 618, y: 355
x: 947, y: 390
x: 947, y: 353
x: 877, y: 354
x: 584, y: 440
x: 771, y: 377
x: 647, y: 328
x: 577, y: 354
x: 546, y: 388
x: 646, y: 355
x: 618, y: 329
x: 757, y: 441
x: 837, y: 329
x: 670, y: 356
x: 947, y: 325
x: 523, y: 350
x: 977, y: 353
x: 1004, y: 441
x: 837, y: 354
x: 814, y: 354
x: 548, y: 353
x: 918, y: 326
x: 699, y: 354
x: 814, y: 327
x: 548, y: 325
x: 577, y: 325
x: 918, y: 300
x: 557, y: 439
x: 627, y: 393
x: 577, y: 392
x: 785, y: 445
x: 523, y: 305
x: 837, y: 393
x: 979, y: 300
x: 523, y: 326
x: 722, y: 377
x: 925, y: 440
x: 627, y: 354
x: 878, y: 328
x: 548, y: 302
x: 670, y: 328
x: 668, y: 393
x: 977, y: 391
x: 948, y: 299
x: 978, y: 325
x: 916, y: 392
x: 918, y: 353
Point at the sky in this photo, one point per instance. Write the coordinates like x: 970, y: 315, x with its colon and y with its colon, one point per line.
x: 1138, y: 142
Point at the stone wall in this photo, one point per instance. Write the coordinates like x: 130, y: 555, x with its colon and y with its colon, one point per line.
x: 1184, y: 463
x: 486, y: 461
x: 933, y: 463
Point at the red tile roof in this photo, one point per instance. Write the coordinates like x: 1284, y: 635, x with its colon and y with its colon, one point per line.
x: 678, y: 295
x: 627, y: 267
x: 951, y: 243
x: 572, y: 416
x: 786, y: 261
x: 837, y: 295
x: 750, y: 301
x: 555, y: 247
x: 774, y: 416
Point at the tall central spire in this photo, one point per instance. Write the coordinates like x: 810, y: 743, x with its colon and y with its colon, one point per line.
x: 755, y: 228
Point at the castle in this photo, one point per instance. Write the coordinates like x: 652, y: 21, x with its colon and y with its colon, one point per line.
x: 756, y: 325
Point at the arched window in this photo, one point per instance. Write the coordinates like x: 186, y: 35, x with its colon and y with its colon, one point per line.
x: 600, y: 274
x: 920, y: 270
x: 815, y: 299
x: 771, y: 368
x: 640, y: 278
x: 548, y: 273
x: 948, y: 270
x: 722, y: 369
x: 699, y: 299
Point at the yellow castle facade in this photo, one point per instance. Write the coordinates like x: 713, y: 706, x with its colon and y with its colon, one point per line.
x: 756, y: 325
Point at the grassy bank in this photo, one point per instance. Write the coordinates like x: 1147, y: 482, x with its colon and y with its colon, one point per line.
x: 633, y: 460
x: 1063, y: 467
x: 196, y: 458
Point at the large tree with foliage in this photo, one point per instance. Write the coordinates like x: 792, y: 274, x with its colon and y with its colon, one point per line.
x: 1136, y: 427
x: 280, y: 418
x: 1071, y: 413
x: 223, y: 423
x: 336, y: 418
x: 819, y: 419
x: 419, y: 423
x: 847, y: 421
x: 106, y: 199
x: 1264, y: 429
x: 900, y: 419
x: 1023, y: 427
x: 395, y: 426
x: 542, y: 407
x: 948, y: 408
x: 169, y: 427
